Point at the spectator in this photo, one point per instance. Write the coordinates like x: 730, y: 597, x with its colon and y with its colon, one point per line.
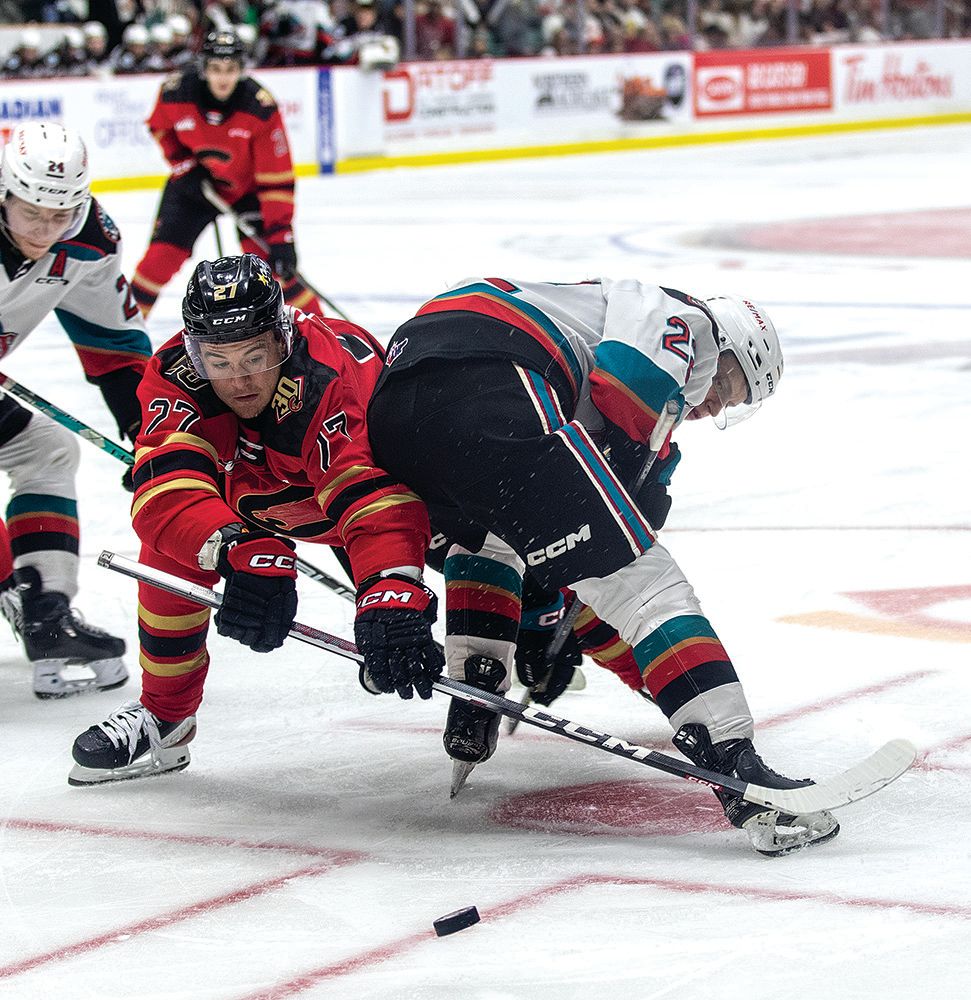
x: 296, y: 32
x: 434, y: 32
x: 181, y: 53
x: 133, y: 55
x: 26, y: 60
x: 96, y: 46
x: 224, y: 15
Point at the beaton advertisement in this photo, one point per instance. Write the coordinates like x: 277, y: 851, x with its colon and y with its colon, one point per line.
x: 773, y: 81
x: 439, y: 100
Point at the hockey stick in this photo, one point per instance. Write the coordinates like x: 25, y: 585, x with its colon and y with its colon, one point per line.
x: 251, y: 232
x: 867, y: 777
x: 663, y: 427
x: 124, y: 455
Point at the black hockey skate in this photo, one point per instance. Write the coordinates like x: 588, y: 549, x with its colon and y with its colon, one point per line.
x: 68, y: 655
x: 771, y: 833
x: 130, y: 743
x: 471, y: 732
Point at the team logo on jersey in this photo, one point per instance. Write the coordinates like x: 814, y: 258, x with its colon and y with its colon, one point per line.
x: 107, y: 224
x: 55, y: 275
x: 288, y: 397
x: 7, y: 340
x: 396, y: 350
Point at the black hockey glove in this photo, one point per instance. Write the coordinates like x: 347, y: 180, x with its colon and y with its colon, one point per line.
x: 283, y: 260
x: 546, y: 679
x: 188, y: 176
x: 652, y: 498
x: 393, y: 632
x: 260, y: 597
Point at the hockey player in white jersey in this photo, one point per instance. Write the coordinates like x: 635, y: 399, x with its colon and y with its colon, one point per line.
x: 521, y: 413
x: 60, y: 252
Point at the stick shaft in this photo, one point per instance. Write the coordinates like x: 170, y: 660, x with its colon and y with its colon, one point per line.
x: 66, y: 420
x: 251, y: 232
x: 455, y: 689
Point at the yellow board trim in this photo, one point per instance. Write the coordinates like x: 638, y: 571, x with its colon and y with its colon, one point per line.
x: 361, y: 164
x: 364, y: 163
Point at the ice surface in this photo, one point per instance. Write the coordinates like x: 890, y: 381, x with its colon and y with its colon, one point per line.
x: 311, y: 843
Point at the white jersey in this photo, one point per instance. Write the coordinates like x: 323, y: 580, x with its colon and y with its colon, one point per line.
x: 79, y: 279
x: 621, y: 349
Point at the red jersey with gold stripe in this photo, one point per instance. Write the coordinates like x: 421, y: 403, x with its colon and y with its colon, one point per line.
x: 302, y: 468
x: 242, y: 141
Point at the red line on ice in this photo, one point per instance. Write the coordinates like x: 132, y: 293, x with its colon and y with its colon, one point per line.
x: 842, y: 699
x: 333, y: 859
x: 540, y: 894
x: 123, y: 933
x: 121, y: 833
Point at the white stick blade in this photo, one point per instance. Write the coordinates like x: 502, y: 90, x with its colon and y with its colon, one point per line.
x: 869, y: 776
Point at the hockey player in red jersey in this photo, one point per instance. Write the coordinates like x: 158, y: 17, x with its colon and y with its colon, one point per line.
x: 538, y: 403
x: 60, y: 253
x: 219, y: 127
x: 254, y: 434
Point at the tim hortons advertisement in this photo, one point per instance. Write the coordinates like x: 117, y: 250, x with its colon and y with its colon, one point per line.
x: 903, y: 77
x: 769, y: 81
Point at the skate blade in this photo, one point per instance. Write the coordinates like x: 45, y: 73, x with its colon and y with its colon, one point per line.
x: 460, y: 774
x: 169, y: 759
x: 63, y: 678
x: 774, y: 836
x: 174, y: 757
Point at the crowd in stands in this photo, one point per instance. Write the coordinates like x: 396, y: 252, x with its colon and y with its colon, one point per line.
x: 144, y: 36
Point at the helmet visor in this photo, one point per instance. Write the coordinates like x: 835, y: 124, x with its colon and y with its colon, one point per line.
x: 733, y: 391
x: 36, y: 226
x: 215, y: 359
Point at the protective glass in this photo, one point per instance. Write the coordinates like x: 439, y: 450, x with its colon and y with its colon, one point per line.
x: 239, y: 359
x: 733, y: 392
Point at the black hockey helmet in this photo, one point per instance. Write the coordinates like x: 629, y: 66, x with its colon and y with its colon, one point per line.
x: 229, y: 301
x: 223, y: 44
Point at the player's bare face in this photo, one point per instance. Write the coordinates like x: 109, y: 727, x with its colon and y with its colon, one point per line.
x: 35, y: 229
x: 729, y: 387
x: 222, y: 76
x: 244, y: 375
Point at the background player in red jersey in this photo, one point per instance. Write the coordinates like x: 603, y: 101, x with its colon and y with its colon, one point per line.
x: 217, y: 126
x: 255, y: 415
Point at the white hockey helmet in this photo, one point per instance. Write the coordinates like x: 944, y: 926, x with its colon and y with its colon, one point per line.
x: 95, y: 29
x: 744, y: 329
x: 30, y: 39
x: 46, y: 164
x: 135, y: 34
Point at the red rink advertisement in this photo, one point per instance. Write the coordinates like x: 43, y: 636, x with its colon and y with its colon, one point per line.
x: 762, y: 82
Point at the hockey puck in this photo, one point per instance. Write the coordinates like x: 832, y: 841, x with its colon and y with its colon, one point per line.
x: 456, y: 921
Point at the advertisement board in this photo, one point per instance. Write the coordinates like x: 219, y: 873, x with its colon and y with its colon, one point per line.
x: 452, y: 105
x: 905, y: 78
x: 769, y: 81
x: 110, y: 114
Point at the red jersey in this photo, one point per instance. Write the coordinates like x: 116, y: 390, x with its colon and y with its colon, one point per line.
x: 302, y: 468
x: 242, y: 142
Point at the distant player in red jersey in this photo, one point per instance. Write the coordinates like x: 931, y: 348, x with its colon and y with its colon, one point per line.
x: 218, y: 126
x: 253, y: 434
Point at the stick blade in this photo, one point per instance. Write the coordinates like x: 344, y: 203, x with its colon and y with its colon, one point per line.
x: 877, y: 771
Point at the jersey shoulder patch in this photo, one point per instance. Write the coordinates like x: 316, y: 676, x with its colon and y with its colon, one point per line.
x: 303, y: 383
x: 97, y: 238
x: 180, y: 87
x: 257, y: 100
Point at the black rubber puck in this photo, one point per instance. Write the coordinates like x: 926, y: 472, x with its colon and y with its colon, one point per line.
x: 456, y: 921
